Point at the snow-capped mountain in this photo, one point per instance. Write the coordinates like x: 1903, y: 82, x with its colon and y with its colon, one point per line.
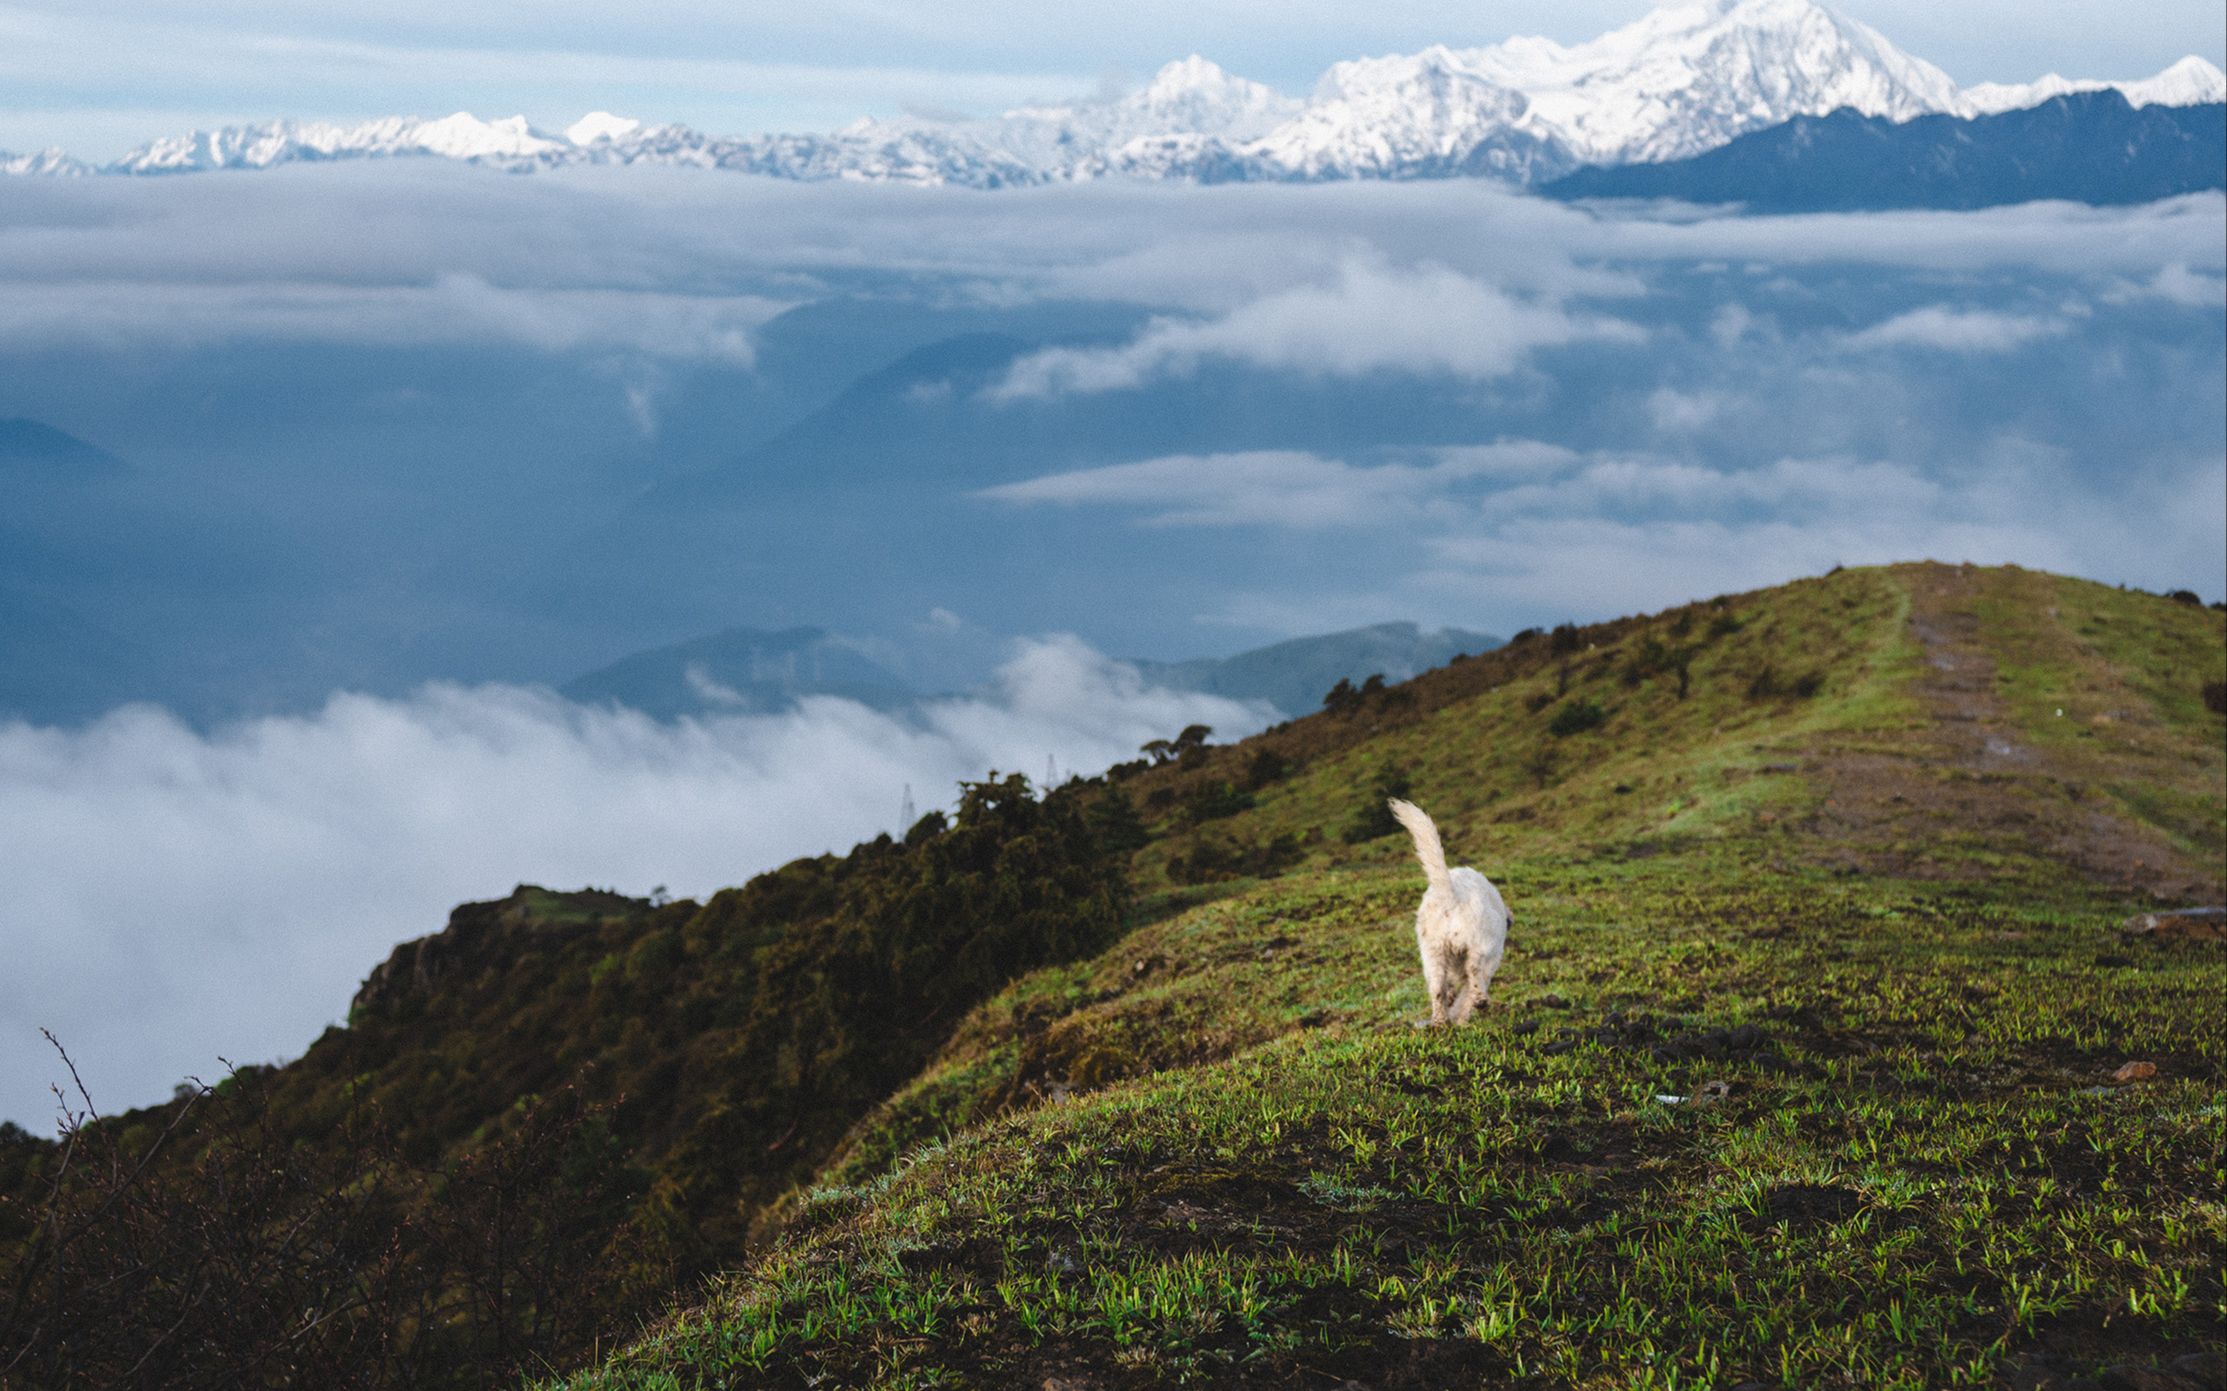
x: 1689, y: 77
x: 461, y: 136
x: 1685, y: 78
x: 2083, y: 147
x: 2190, y: 82
x: 50, y: 162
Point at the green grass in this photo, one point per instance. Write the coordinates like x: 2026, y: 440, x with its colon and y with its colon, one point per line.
x: 1908, y: 1184
x: 1661, y: 765
x: 2110, y: 683
x: 1218, y: 1154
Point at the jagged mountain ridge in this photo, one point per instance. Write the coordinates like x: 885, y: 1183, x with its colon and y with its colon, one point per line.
x: 2088, y: 147
x: 1684, y: 79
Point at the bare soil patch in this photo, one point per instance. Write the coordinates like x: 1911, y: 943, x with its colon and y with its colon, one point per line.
x: 1928, y: 802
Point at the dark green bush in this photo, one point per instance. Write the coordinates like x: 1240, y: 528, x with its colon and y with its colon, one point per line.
x: 1576, y: 717
x: 1375, y: 818
x: 1213, y: 860
x: 1266, y: 766
x: 1216, y: 800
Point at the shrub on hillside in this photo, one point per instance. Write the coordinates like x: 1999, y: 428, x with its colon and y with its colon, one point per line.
x: 1654, y: 658
x: 1215, y: 800
x: 1113, y: 819
x: 1266, y: 766
x: 204, y: 1246
x: 2215, y: 697
x: 1374, y: 820
x: 1213, y: 860
x: 1576, y: 717
x: 1540, y: 765
x: 1768, y: 684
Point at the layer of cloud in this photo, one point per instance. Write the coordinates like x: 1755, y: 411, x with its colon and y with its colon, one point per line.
x: 1553, y: 530
x: 453, y: 309
x: 176, y: 895
x: 1953, y: 330
x: 1286, y: 488
x: 1454, y: 277
x: 1370, y: 318
x: 1295, y: 489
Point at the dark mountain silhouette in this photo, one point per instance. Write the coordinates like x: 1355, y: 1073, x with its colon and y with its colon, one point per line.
x: 2088, y: 147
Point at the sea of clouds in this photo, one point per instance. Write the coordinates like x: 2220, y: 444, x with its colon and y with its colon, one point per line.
x: 1662, y: 406
x: 180, y: 896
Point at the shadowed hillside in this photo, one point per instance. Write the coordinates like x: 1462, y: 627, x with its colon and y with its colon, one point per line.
x: 2088, y: 147
x: 1815, y: 975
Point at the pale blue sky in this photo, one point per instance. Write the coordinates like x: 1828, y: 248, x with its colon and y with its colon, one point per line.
x: 96, y: 80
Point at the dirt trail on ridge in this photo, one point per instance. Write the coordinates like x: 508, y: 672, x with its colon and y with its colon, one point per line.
x: 1922, y: 802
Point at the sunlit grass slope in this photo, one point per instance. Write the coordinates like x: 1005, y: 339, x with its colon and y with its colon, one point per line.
x: 1802, y: 1072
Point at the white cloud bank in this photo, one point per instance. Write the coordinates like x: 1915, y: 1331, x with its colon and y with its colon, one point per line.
x: 1281, y: 487
x: 178, y: 895
x: 1520, y: 526
x: 1953, y: 330
x: 1370, y: 317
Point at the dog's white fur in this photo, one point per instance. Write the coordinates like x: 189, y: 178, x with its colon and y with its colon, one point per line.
x: 1461, y: 925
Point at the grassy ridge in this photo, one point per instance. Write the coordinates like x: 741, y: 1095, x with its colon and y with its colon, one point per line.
x: 1857, y: 871
x: 1802, y: 1069
x: 1910, y: 1177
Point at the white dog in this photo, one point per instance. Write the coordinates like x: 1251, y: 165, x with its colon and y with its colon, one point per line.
x: 1461, y: 926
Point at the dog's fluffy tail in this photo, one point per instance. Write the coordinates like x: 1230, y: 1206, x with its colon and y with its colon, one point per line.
x: 1427, y: 846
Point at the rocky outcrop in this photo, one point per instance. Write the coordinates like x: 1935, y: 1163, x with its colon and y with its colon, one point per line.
x: 2179, y: 925
x: 481, y: 937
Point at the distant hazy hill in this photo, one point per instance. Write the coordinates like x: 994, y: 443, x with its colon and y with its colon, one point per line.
x: 1293, y: 675
x: 2089, y: 147
x: 743, y: 671
x: 753, y: 671
x: 30, y: 449
x: 60, y: 661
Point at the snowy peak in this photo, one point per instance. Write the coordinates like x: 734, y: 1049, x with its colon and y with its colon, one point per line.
x: 461, y: 136
x: 1682, y: 79
x: 2190, y: 82
x: 600, y: 127
x: 1688, y: 77
x: 1993, y: 98
x: 49, y: 162
x: 464, y: 136
x: 1425, y: 113
x: 1195, y: 96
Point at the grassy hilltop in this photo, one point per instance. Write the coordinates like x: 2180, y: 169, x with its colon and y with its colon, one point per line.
x: 1832, y: 846
x: 1802, y: 1070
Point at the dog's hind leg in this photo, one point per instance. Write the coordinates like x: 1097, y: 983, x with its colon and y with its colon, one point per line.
x: 1438, y: 981
x: 1452, y: 1000
x: 1481, y: 965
